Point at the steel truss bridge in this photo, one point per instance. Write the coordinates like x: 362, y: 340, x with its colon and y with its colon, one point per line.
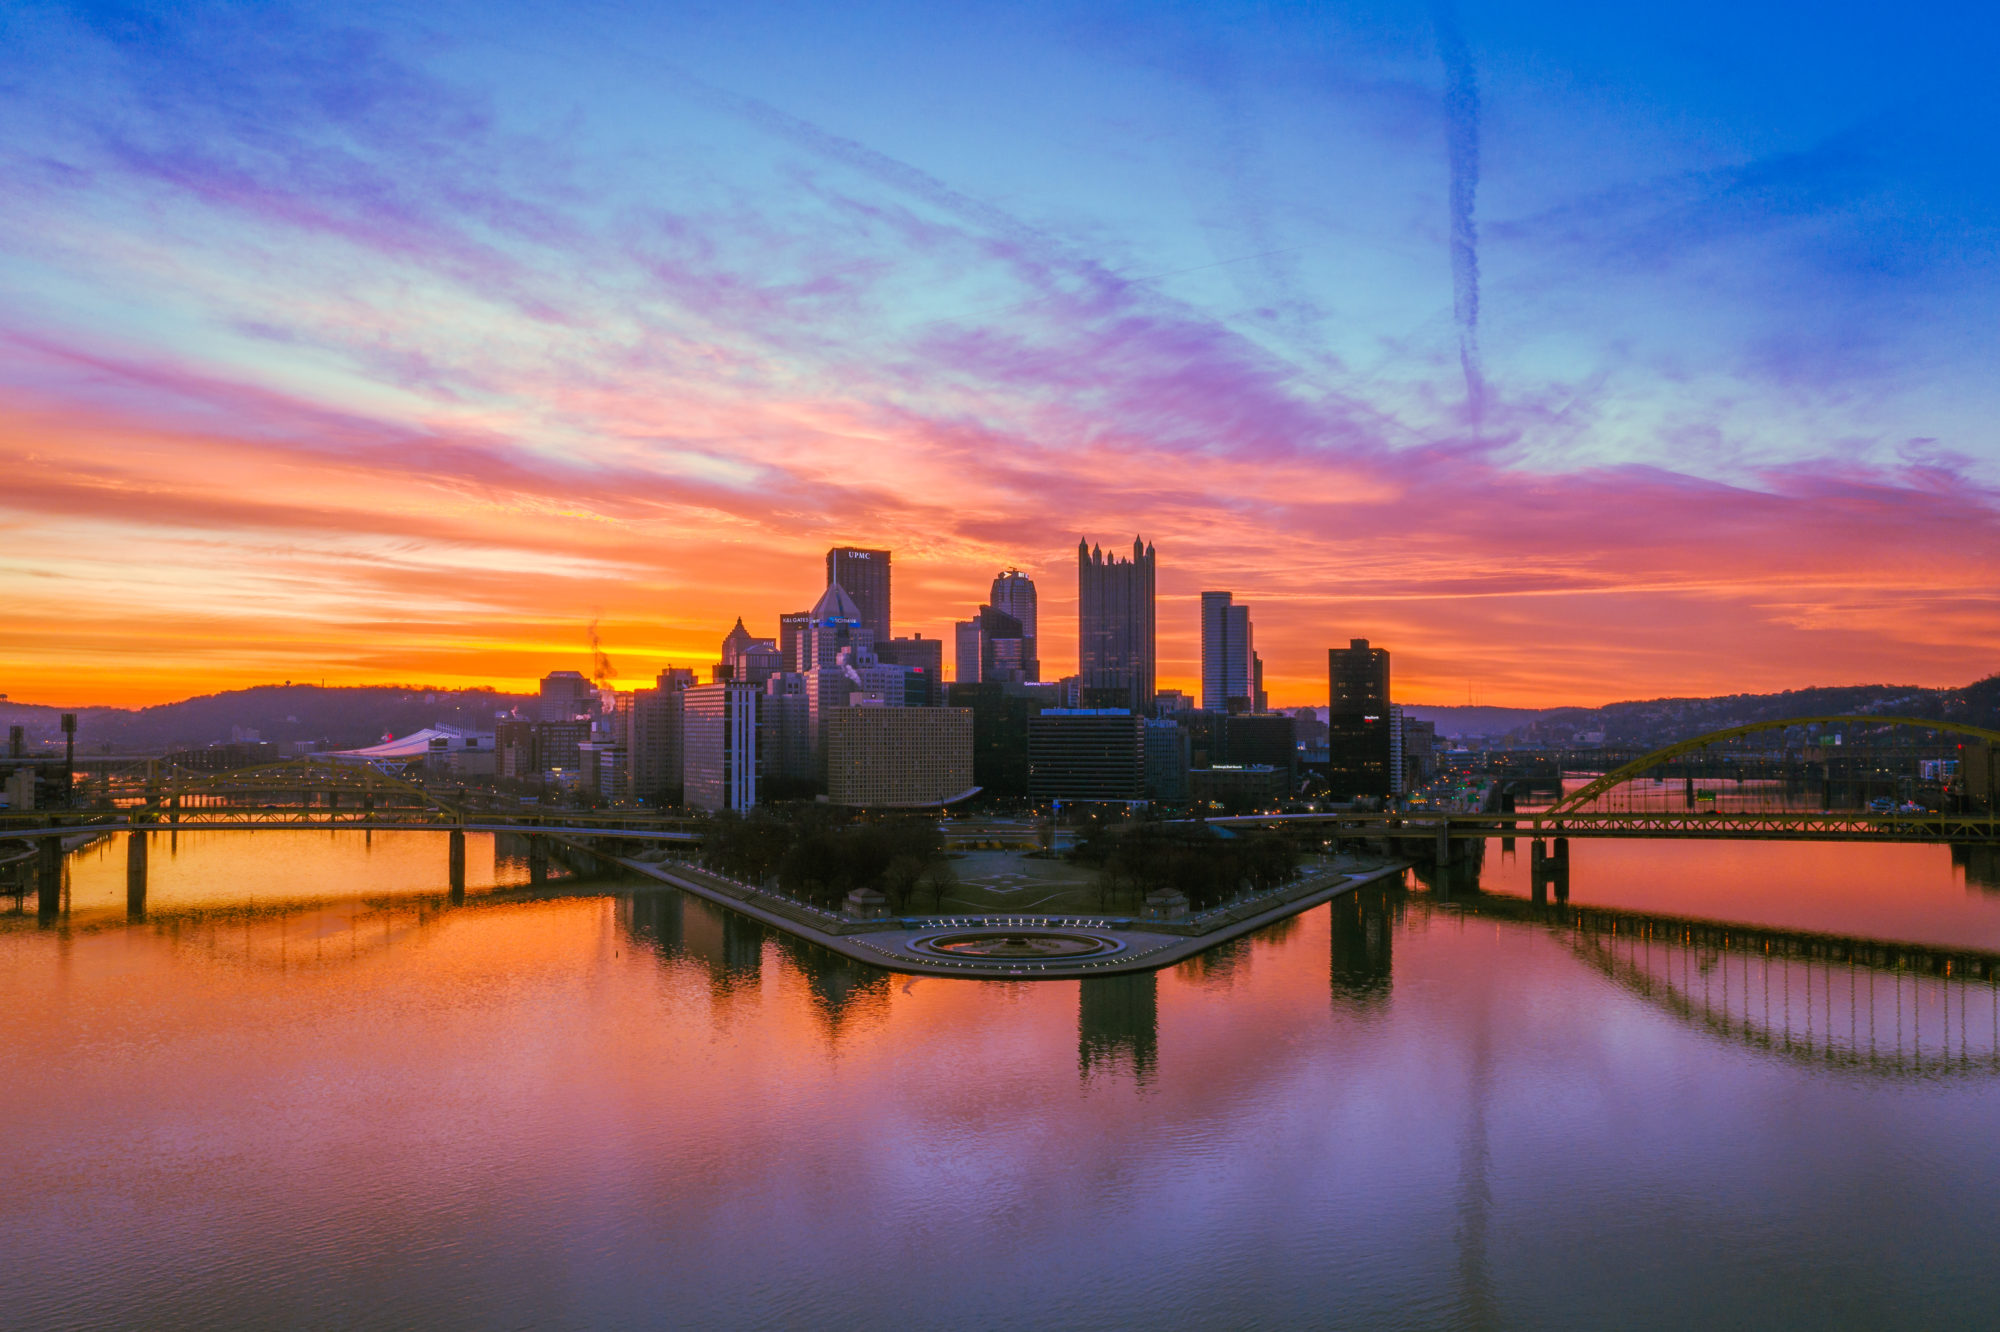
x: 1660, y: 795
x: 316, y: 794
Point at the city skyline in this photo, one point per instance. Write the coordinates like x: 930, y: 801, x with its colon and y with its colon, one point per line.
x: 1577, y: 366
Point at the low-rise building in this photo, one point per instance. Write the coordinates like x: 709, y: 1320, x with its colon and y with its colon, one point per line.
x: 1238, y: 787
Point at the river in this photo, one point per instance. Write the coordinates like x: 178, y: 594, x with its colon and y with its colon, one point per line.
x: 308, y: 1091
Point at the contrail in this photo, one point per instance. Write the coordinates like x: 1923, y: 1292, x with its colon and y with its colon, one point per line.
x: 1461, y: 115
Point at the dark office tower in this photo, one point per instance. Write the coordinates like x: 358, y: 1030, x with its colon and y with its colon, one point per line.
x: 793, y: 629
x: 1114, y: 622
x: 1228, y: 665
x: 1360, y: 746
x: 920, y: 654
x: 865, y: 576
x: 1014, y: 594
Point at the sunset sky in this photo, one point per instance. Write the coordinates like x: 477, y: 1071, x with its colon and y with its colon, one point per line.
x: 1574, y: 353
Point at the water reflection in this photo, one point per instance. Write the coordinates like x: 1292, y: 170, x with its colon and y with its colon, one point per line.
x: 1888, y: 1020
x: 1979, y: 864
x: 728, y: 947
x: 1883, y: 1007
x: 1362, y: 927
x: 1118, y: 1024
x: 614, y: 1105
x: 846, y: 995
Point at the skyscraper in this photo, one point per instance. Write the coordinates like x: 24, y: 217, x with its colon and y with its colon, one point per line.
x: 836, y: 622
x: 654, y: 736
x: 719, y: 745
x: 1014, y: 594
x: 1114, y: 622
x: 793, y: 629
x: 864, y: 574
x: 1228, y: 662
x: 925, y: 655
x: 565, y: 696
x: 991, y: 647
x: 1360, y: 745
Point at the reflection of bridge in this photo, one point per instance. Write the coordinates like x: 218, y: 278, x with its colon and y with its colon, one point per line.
x: 1875, y: 1006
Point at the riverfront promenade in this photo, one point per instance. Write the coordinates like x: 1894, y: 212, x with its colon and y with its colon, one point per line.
x: 1009, y: 947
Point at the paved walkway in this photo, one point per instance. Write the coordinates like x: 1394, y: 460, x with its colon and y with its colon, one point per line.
x: 897, y: 945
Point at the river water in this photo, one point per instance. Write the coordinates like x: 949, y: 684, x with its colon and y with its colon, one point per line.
x: 307, y: 1091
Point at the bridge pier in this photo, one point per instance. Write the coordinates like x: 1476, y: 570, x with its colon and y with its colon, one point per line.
x: 457, y: 857
x: 1442, y: 851
x: 1538, y: 872
x: 135, y: 875
x: 538, y: 861
x: 48, y: 878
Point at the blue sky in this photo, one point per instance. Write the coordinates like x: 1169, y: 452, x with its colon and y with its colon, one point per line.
x: 720, y: 282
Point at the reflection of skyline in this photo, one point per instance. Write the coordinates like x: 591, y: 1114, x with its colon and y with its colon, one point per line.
x: 1118, y: 1023
x: 1980, y: 864
x: 842, y: 989
x: 1362, y: 928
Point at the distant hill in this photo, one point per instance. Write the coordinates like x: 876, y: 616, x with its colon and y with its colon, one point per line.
x: 1458, y: 720
x: 342, y: 718
x: 1662, y: 721
x: 345, y: 718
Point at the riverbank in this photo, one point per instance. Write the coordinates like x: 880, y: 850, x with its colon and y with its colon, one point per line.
x: 1016, y: 947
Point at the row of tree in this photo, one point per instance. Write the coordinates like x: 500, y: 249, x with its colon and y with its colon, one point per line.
x: 820, y: 854
x: 1206, y: 865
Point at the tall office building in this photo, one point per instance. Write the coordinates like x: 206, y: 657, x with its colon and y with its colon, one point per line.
x: 653, y: 737
x: 864, y: 574
x: 1114, y: 622
x: 784, y: 736
x: 1014, y: 594
x: 565, y: 696
x: 719, y: 745
x: 1360, y: 744
x: 835, y: 622
x: 1228, y: 663
x: 920, y: 654
x: 793, y: 630
x: 992, y: 649
x: 965, y: 651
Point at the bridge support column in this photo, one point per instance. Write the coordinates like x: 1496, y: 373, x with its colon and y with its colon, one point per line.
x: 1559, y: 868
x: 457, y: 866
x: 135, y: 875
x: 1538, y: 871
x: 1442, y: 852
x: 538, y: 861
x: 48, y: 878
